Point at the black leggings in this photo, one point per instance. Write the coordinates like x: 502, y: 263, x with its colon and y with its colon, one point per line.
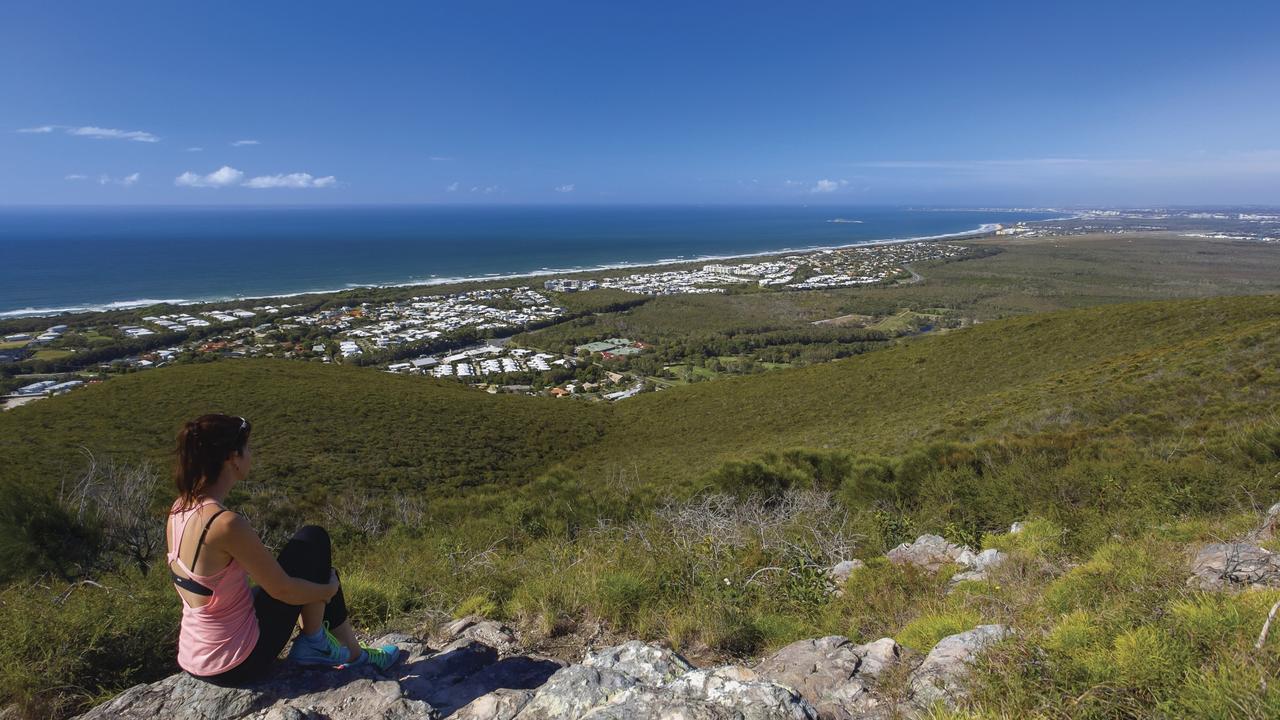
x: 307, y: 555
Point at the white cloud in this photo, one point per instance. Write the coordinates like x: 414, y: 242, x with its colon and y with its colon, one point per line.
x: 440, y: 158
x: 452, y: 187
x: 485, y: 190
x: 195, y: 149
x: 222, y: 177
x: 565, y: 188
x: 105, y: 179
x: 291, y: 180
x: 828, y: 186
x: 99, y: 133
x: 242, y: 143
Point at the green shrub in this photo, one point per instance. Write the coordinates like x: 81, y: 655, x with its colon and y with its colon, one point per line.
x: 1078, y: 648
x: 37, y: 535
x: 891, y: 528
x: 758, y: 478
x: 881, y: 598
x: 1262, y: 445
x: 732, y: 630
x: 925, y: 631
x: 545, y: 600
x: 1207, y: 620
x: 66, y: 649
x: 479, y: 604
x: 1147, y: 659
x: 1126, y: 576
x: 778, y: 629
x: 869, y: 479
x: 1038, y: 538
x: 1230, y: 690
x: 620, y: 596
x: 376, y: 600
x: 1074, y: 632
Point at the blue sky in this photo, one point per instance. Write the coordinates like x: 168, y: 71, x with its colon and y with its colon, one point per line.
x: 944, y: 103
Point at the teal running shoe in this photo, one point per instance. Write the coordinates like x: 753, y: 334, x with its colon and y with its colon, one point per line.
x: 381, y: 657
x: 327, y: 651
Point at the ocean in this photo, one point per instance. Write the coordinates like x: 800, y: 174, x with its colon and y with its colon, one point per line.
x: 54, y: 259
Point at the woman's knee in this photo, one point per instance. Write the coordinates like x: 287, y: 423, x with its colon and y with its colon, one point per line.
x: 313, y: 534
x: 308, y: 554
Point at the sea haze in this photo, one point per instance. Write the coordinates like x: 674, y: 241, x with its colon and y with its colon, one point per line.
x: 77, y: 258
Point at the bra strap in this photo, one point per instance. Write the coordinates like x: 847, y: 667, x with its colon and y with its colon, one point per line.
x: 204, y: 532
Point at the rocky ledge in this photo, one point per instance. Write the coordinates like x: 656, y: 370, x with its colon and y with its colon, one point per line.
x: 476, y: 674
x: 1241, y: 564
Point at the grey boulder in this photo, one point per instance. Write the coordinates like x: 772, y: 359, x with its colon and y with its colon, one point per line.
x: 839, y: 573
x: 941, y: 677
x: 640, y: 680
x: 835, y: 676
x: 931, y: 552
x: 979, y: 565
x: 1222, y: 566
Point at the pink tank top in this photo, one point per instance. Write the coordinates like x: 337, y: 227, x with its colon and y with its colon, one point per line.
x: 220, y: 634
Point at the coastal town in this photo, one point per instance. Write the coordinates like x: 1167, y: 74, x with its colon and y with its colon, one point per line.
x: 841, y: 267
x: 346, y: 333
x: 461, y: 336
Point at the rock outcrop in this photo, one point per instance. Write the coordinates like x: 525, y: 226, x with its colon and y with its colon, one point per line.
x: 941, y: 677
x: 1238, y: 565
x: 639, y: 680
x: 978, y: 565
x: 468, y: 680
x: 473, y: 627
x: 839, y: 573
x: 933, y: 552
x: 827, y: 678
x: 425, y: 685
x: 1270, y: 527
x: 833, y: 674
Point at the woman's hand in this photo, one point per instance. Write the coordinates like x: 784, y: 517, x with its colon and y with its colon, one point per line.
x: 235, y: 537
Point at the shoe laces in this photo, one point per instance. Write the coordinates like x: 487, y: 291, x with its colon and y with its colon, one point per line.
x: 335, y: 645
x: 378, y: 657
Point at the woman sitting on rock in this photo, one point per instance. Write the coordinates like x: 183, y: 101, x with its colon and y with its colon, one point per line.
x: 232, y: 634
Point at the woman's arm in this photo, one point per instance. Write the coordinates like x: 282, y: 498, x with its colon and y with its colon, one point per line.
x: 240, y: 542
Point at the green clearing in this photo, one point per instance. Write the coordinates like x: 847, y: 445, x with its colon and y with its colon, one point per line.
x: 904, y: 322
x: 1124, y: 427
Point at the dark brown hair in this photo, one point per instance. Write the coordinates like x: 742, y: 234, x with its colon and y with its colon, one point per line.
x: 203, y: 445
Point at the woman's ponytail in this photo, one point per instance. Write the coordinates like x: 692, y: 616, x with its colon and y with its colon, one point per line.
x: 203, y: 445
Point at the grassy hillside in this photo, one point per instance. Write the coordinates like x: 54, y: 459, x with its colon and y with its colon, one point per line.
x: 315, y: 426
x: 1173, y: 362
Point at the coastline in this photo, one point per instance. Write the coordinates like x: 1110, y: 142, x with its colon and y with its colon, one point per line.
x: 982, y: 230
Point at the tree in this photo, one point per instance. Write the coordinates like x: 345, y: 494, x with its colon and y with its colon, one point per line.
x: 116, y: 498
